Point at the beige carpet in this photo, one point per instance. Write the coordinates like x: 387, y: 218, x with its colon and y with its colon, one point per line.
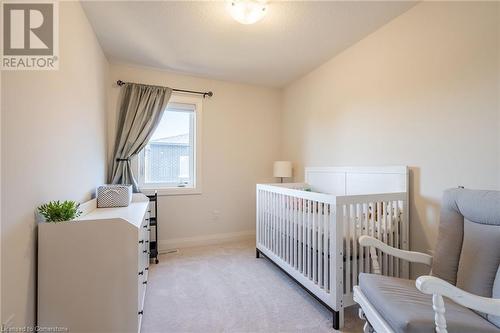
x: 225, y: 288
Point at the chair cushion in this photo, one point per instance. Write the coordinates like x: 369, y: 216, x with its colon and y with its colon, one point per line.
x: 408, y: 310
x: 450, y: 236
x: 479, y: 259
x: 458, y: 206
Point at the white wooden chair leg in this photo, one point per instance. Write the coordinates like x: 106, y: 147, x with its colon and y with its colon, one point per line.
x: 367, y: 328
x: 439, y: 318
x: 375, y: 264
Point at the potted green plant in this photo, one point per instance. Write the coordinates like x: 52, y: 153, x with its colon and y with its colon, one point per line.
x: 56, y: 211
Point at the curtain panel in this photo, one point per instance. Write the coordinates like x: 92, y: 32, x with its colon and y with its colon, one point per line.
x: 141, y: 109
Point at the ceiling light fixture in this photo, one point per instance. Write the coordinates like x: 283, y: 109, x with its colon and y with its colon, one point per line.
x: 247, y: 11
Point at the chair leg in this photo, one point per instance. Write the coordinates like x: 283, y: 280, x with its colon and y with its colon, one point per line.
x: 439, y: 311
x: 336, y: 320
x: 368, y: 328
x: 257, y: 254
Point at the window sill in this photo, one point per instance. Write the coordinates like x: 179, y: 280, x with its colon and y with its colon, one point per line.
x: 171, y: 191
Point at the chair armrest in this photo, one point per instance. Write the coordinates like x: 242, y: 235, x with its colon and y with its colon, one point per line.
x: 435, y: 286
x: 416, y: 257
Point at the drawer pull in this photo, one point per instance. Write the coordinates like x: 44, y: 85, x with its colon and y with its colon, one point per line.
x: 146, y: 219
x: 141, y: 272
x: 141, y: 241
x: 145, y: 226
x: 146, y: 269
x: 141, y: 312
x: 149, y: 229
x: 145, y: 282
x: 147, y: 241
x: 145, y: 251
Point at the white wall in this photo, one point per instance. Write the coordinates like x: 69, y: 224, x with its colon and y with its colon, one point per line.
x: 240, y: 141
x: 53, y: 148
x: 421, y: 91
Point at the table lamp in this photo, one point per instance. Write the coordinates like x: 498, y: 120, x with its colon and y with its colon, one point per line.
x: 282, y: 169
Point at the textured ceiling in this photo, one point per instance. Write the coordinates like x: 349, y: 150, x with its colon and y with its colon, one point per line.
x: 200, y: 38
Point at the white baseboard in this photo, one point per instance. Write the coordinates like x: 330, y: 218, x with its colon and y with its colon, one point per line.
x: 214, y: 239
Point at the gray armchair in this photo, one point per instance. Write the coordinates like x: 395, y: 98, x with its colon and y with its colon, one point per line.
x: 465, y: 270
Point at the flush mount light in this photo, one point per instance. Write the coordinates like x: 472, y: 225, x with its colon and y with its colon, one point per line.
x: 247, y: 11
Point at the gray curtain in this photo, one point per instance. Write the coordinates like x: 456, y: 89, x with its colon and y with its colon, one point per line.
x: 141, y: 108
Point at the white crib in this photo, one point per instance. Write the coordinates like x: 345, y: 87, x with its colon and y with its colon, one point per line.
x: 311, y: 229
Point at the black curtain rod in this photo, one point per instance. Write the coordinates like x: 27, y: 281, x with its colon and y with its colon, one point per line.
x: 205, y: 94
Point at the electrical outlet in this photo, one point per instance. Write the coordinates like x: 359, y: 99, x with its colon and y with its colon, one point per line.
x: 215, y: 215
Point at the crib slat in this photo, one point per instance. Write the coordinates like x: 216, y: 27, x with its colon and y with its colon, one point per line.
x: 269, y: 220
x: 363, y: 221
x: 398, y: 243
x: 282, y: 216
x: 271, y: 223
x: 303, y: 224
x: 292, y: 230
x: 288, y: 239
x: 309, y: 240
x: 258, y: 213
x: 266, y: 202
x: 289, y: 229
x: 320, y: 244
x: 269, y: 217
x: 347, y: 241
x: 299, y: 216
x: 297, y: 242
x: 354, y: 238
x: 372, y: 225
x: 379, y: 232
x: 315, y: 240
x: 326, y: 251
x: 378, y: 224
x: 384, y: 236
x: 283, y: 237
x: 264, y: 217
x: 294, y: 234
x: 276, y: 222
x: 299, y: 232
x: 277, y: 225
x: 391, y: 238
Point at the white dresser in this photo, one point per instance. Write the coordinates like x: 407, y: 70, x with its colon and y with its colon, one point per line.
x: 92, y: 272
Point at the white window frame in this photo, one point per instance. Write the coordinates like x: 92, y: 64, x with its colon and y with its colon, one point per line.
x: 168, y: 189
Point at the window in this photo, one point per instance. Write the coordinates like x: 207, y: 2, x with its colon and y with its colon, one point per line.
x: 170, y: 162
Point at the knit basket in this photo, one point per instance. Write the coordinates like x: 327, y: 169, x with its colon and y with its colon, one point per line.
x: 114, y: 196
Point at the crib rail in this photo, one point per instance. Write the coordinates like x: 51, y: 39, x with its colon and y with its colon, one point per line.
x: 314, y: 236
x: 290, y: 227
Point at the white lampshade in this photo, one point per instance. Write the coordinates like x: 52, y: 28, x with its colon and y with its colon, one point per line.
x: 282, y: 169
